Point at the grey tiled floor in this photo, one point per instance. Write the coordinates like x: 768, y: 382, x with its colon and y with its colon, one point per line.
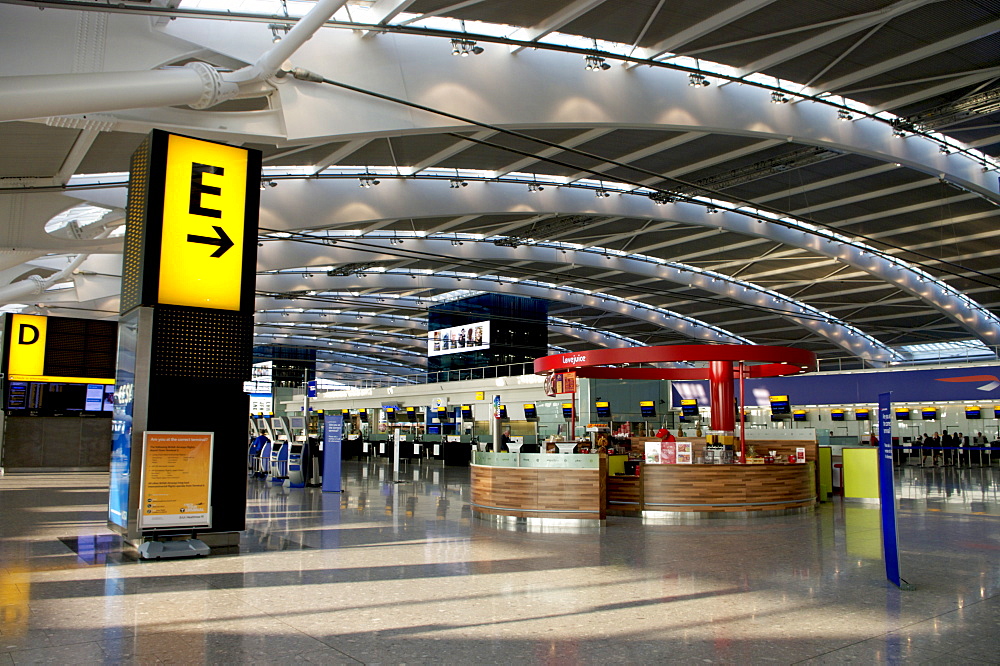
x: 390, y: 573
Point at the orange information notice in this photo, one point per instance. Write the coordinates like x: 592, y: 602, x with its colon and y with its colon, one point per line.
x: 176, y: 480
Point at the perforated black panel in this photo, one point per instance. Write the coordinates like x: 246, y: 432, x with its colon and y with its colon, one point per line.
x: 135, y: 223
x: 202, y: 344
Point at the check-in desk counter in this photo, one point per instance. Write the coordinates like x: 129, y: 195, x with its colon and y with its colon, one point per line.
x: 539, y: 486
x: 714, y: 489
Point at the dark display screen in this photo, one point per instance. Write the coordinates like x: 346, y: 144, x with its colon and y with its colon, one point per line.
x: 836, y: 416
x: 81, y: 348
x: 603, y: 410
x: 903, y: 415
x: 530, y: 412
x: 647, y: 408
x: 928, y: 414
x: 973, y: 413
x: 861, y: 415
x: 799, y: 416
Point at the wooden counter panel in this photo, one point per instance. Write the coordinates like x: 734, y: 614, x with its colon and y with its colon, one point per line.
x: 625, y: 493
x: 539, y: 493
x: 728, y: 487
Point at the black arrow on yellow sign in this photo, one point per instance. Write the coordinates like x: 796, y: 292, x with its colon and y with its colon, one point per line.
x: 223, y: 241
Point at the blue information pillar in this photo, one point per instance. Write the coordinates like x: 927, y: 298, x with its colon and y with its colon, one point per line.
x: 887, y: 493
x: 333, y: 433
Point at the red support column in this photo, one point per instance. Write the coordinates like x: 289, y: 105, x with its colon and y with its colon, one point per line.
x: 720, y: 379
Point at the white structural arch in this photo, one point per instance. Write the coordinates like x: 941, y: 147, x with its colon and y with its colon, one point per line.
x: 285, y: 320
x: 693, y: 328
x: 421, y: 70
x: 335, y: 203
x: 836, y: 331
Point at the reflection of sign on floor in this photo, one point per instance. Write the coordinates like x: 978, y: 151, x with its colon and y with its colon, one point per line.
x: 14, y: 585
x: 176, y: 480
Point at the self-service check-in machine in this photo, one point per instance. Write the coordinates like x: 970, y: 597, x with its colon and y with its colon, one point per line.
x: 296, y: 453
x: 264, y: 456
x: 279, y: 449
x: 258, y: 442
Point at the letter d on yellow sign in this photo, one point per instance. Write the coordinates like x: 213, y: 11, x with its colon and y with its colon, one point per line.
x: 27, y: 345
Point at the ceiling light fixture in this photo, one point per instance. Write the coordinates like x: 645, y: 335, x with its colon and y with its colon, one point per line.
x: 778, y: 97
x: 368, y: 181
x: 535, y: 187
x: 457, y: 183
x: 696, y: 79
x: 596, y: 64
x: 465, y: 47
x: 844, y: 114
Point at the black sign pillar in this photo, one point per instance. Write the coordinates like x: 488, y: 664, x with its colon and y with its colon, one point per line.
x: 186, y: 335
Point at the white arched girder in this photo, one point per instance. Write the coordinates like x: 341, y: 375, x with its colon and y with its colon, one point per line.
x: 422, y: 70
x: 699, y: 330
x: 321, y: 318
x: 276, y: 335
x: 368, y: 249
x: 342, y: 205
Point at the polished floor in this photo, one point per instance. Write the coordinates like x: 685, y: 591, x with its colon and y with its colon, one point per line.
x: 402, y: 573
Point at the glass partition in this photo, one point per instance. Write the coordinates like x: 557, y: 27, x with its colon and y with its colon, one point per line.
x: 537, y: 460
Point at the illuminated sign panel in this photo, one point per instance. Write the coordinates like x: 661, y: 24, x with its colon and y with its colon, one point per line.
x: 27, y: 345
x: 201, y: 249
x: 780, y: 404
x: 60, y: 350
x: 458, y: 339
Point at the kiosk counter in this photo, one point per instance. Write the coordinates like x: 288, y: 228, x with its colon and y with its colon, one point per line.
x: 585, y: 487
x: 715, y: 489
x: 728, y: 488
x: 539, y: 485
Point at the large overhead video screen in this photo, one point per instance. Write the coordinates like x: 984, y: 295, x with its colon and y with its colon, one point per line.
x: 458, y: 339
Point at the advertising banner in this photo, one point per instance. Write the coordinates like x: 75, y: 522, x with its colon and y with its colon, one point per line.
x: 458, y: 339
x: 119, y: 486
x: 333, y: 433
x: 887, y: 492
x: 176, y: 480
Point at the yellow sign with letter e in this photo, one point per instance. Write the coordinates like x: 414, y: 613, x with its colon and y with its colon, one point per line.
x: 201, y: 251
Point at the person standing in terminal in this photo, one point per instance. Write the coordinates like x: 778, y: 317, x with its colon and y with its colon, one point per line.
x: 936, y: 448
x: 980, y: 442
x: 942, y: 446
x: 926, y: 449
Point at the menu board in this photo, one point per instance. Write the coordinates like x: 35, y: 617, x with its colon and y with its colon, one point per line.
x: 685, y: 453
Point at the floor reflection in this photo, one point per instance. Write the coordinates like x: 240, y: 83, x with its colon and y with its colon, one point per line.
x: 396, y: 569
